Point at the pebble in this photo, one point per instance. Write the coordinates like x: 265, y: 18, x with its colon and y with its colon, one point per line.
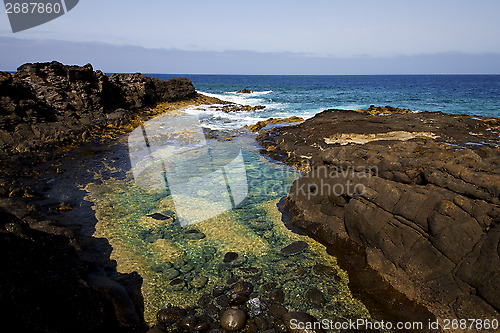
x: 277, y: 310
x: 170, y: 314
x: 170, y: 273
x: 247, y: 271
x: 158, y: 216
x: 177, y: 284
x: 230, y: 256
x: 233, y: 320
x: 188, y: 322
x: 242, y: 287
x: 320, y: 269
x: 294, y: 248
x: 315, y: 297
x: 277, y: 295
x: 261, y: 225
x: 193, y: 234
x: 186, y: 268
x: 237, y: 298
x: 199, y: 282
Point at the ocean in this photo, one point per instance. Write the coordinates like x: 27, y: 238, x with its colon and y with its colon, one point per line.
x: 307, y: 95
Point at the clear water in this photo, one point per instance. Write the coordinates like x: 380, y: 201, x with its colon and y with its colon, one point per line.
x: 161, y: 253
x: 288, y: 95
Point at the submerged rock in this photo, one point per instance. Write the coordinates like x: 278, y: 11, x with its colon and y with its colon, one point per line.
x: 244, y: 91
x: 233, y: 320
x: 193, y: 234
x: 294, y: 248
x: 170, y: 314
x: 158, y: 216
x: 315, y: 297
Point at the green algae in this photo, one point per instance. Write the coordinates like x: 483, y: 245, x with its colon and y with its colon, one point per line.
x: 160, y: 252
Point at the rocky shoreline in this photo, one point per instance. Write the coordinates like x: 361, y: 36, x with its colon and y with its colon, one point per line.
x: 411, y: 197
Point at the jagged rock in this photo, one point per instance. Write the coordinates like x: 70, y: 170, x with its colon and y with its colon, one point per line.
x: 244, y: 91
x: 261, y: 124
x: 46, y: 103
x: 422, y: 210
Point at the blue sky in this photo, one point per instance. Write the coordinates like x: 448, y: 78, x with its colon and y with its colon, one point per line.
x: 319, y: 29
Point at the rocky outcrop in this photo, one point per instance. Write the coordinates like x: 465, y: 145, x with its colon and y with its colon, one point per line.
x: 282, y: 121
x: 44, y: 288
x: 416, y: 195
x: 244, y: 91
x: 47, y: 103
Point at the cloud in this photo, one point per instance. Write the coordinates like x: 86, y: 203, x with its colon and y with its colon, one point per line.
x: 129, y: 58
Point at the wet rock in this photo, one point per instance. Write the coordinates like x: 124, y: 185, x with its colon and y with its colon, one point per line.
x: 315, y: 297
x: 193, y: 234
x: 222, y: 301
x: 277, y: 295
x: 158, y: 216
x: 170, y: 273
x: 294, y: 248
x: 261, y: 323
x: 233, y: 320
x: 219, y: 291
x: 170, y: 314
x: 199, y: 282
x: 320, y: 269
x: 261, y: 224
x: 244, y: 91
x: 237, y: 298
x: 242, y: 287
x: 179, y: 262
x: 177, y: 284
x: 202, y: 327
x: 186, y: 268
x: 247, y: 271
x: 277, y: 310
x: 268, y: 287
x: 230, y: 256
x: 301, y: 322
x: 187, y: 322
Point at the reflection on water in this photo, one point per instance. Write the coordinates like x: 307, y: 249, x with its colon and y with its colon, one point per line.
x: 182, y: 265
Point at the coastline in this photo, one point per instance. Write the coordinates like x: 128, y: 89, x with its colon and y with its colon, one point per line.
x: 22, y: 196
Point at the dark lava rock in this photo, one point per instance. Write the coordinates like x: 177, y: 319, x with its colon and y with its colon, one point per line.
x: 158, y: 216
x: 233, y: 320
x: 170, y: 315
x: 237, y: 298
x: 44, y: 284
x: 242, y: 287
x: 294, y: 248
x: 244, y: 91
x: 177, y: 284
x: 315, y: 297
x: 202, y: 327
x: 261, y: 224
x: 193, y: 234
x: 277, y: 295
x: 301, y: 322
x: 426, y: 210
x: 44, y: 104
x: 187, y: 322
x: 277, y: 310
x: 230, y: 256
x: 320, y: 269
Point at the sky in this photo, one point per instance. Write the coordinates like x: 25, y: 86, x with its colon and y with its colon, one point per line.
x: 266, y: 37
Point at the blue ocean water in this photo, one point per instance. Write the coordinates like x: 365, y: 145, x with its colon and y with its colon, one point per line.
x: 307, y: 95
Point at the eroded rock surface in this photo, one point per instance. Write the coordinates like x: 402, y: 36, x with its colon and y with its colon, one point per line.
x: 424, y: 209
x: 46, y: 103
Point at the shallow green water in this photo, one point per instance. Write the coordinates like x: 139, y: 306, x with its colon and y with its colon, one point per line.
x: 180, y: 264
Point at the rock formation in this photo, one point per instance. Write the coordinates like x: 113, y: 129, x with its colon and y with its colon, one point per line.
x: 416, y: 195
x: 47, y: 103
